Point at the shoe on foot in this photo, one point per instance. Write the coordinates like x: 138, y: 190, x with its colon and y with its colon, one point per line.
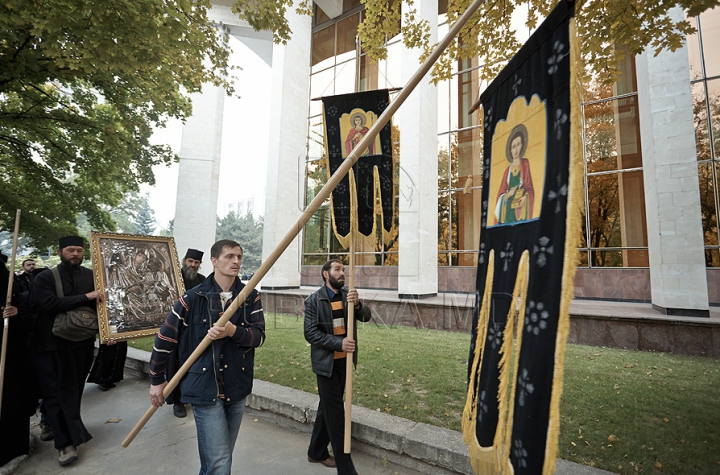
x: 328, y: 462
x: 179, y: 409
x: 46, y: 432
x: 106, y: 386
x: 67, y: 455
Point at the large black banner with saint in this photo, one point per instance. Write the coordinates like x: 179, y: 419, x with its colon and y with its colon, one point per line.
x: 347, y: 119
x: 528, y: 247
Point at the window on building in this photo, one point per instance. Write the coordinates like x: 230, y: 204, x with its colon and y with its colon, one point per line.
x: 705, y: 81
x: 459, y: 164
x: 614, y: 231
x: 339, y: 67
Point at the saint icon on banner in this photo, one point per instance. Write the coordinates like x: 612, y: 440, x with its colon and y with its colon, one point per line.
x: 358, y: 127
x: 516, y: 195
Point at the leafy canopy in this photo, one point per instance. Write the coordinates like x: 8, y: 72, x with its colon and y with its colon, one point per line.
x: 490, y: 35
x: 82, y: 85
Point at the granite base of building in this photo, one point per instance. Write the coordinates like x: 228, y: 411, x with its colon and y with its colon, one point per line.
x: 630, y: 325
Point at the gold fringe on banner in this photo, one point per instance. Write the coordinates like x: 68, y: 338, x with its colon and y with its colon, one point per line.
x: 510, y: 350
x: 575, y: 208
x: 481, y: 458
x: 362, y: 240
x: 495, y: 460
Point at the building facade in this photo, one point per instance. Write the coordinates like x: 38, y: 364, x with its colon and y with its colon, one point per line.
x: 651, y: 168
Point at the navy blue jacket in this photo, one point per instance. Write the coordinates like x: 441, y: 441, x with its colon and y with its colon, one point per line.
x: 187, y: 325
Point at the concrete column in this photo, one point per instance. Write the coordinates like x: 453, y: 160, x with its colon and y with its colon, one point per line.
x: 417, y: 119
x: 678, y: 277
x: 287, y: 149
x: 197, y: 193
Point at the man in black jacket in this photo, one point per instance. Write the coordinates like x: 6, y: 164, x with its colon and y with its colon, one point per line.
x: 326, y: 317
x: 24, y: 279
x: 63, y: 365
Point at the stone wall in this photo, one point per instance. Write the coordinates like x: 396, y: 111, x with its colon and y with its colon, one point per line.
x: 686, y: 336
x: 630, y: 284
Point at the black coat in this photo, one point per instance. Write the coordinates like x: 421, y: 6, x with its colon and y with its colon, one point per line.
x: 76, y: 283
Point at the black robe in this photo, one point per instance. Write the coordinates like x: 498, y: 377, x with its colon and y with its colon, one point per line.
x: 18, y: 399
x: 109, y: 364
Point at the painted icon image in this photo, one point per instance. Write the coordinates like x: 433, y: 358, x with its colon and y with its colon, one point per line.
x: 517, y: 173
x: 354, y: 126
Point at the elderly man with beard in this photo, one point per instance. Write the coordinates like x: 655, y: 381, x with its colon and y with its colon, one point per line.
x: 63, y: 365
x: 325, y: 326
x: 190, y: 266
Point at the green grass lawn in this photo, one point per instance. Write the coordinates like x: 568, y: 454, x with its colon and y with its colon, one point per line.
x: 623, y: 411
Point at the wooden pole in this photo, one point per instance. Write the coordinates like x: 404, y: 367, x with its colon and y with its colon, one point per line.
x: 8, y: 302
x: 314, y: 205
x: 349, y: 363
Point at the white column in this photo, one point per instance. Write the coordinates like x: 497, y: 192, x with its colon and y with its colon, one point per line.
x: 417, y: 119
x: 197, y: 192
x: 286, y: 151
x: 677, y: 267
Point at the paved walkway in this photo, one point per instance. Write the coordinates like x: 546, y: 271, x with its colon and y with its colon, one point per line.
x: 168, y: 445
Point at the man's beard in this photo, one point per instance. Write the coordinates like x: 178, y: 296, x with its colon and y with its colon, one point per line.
x: 335, y: 283
x: 191, y: 274
x: 70, y: 264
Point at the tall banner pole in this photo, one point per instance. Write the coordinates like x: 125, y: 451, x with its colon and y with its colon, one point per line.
x: 8, y: 302
x: 351, y: 334
x: 312, y: 208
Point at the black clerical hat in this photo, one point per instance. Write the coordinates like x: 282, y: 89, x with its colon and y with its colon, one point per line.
x: 70, y: 241
x: 194, y: 254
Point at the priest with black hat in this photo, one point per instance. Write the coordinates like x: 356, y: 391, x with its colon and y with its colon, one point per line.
x: 62, y: 365
x: 190, y: 266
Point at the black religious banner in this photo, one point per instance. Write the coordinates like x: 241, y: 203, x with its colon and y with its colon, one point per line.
x: 347, y: 119
x: 530, y: 225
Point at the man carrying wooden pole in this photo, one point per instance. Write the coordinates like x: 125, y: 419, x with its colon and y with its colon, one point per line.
x: 330, y: 313
x: 314, y: 205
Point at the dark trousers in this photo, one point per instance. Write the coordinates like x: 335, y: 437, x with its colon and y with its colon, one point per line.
x: 62, y: 376
x: 330, y: 421
x: 18, y: 398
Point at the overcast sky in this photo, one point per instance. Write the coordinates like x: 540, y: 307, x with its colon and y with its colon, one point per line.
x: 243, y: 165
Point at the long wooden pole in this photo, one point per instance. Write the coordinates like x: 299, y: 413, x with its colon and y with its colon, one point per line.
x: 314, y: 205
x: 8, y: 302
x: 350, y: 359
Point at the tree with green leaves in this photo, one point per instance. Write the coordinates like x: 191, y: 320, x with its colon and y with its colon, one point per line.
x: 82, y: 86
x: 145, y: 218
x: 490, y: 35
x: 124, y: 215
x: 246, y: 230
